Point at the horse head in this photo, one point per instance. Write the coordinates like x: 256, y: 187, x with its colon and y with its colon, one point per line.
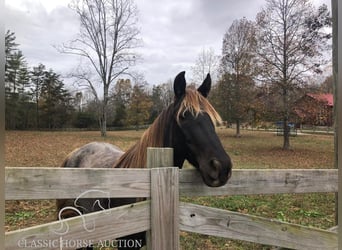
x: 193, y: 135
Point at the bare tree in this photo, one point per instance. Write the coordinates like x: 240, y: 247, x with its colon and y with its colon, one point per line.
x: 167, y: 93
x: 107, y: 38
x: 290, y: 45
x: 237, y: 67
x: 206, y: 62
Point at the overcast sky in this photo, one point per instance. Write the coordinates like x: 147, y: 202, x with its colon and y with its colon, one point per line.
x: 173, y: 31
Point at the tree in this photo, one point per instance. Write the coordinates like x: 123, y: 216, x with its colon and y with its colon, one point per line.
x: 15, y: 66
x: 107, y: 37
x: 327, y: 85
x: 121, y: 98
x: 16, y: 82
x: 37, y: 79
x: 237, y: 65
x: 10, y: 47
x: 138, y: 112
x: 206, y: 62
x: 85, y: 120
x: 162, y: 96
x: 31, y: 95
x: 54, y: 101
x: 290, y: 44
x: 167, y: 93
x: 16, y: 69
x: 79, y: 101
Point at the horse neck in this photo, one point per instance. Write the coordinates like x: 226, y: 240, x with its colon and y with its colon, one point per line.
x: 154, y: 136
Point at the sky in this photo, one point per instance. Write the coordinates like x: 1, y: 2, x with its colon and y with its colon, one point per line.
x: 173, y: 32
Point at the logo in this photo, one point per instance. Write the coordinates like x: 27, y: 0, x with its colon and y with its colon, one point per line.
x: 64, y: 226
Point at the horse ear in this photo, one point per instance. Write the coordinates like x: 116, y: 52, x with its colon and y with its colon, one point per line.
x: 204, y: 89
x: 179, y: 85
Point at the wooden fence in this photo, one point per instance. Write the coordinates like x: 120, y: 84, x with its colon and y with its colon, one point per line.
x: 163, y: 216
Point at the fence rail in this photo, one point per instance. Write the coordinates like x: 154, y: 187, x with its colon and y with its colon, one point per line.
x: 163, y: 217
x: 78, y: 231
x: 50, y: 183
x: 233, y: 225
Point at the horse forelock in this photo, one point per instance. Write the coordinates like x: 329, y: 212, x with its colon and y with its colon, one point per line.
x: 195, y: 103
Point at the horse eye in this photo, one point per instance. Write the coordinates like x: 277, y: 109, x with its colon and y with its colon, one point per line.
x: 182, y: 117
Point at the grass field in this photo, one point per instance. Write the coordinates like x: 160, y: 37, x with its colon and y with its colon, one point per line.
x: 255, y: 149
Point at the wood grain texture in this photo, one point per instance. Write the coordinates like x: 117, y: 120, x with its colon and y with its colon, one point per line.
x: 99, y: 226
x: 164, y: 209
x: 159, y: 157
x: 51, y: 183
x: 263, y: 181
x: 232, y: 225
x: 58, y: 183
x: 164, y: 233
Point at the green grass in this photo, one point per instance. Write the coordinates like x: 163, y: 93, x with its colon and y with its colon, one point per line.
x: 19, y: 216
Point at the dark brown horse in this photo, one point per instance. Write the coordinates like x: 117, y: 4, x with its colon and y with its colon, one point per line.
x: 187, y: 125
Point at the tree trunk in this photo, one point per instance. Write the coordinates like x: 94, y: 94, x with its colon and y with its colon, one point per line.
x: 103, y: 121
x: 103, y: 125
x: 238, y: 134
x: 286, y: 111
x: 37, y: 115
x: 286, y: 145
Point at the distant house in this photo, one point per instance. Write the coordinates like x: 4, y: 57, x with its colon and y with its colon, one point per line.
x: 315, y: 109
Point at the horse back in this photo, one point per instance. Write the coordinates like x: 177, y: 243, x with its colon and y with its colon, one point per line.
x: 93, y: 155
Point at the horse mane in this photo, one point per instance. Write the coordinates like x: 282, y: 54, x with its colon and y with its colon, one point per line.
x: 152, y: 137
x: 192, y: 102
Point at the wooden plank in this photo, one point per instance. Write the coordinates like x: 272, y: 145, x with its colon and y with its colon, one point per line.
x: 159, y: 157
x: 337, y: 72
x: 263, y: 181
x: 164, y: 233
x: 337, y: 65
x: 102, y: 227
x: 232, y: 225
x: 337, y: 8
x: 57, y: 183
x: 164, y: 208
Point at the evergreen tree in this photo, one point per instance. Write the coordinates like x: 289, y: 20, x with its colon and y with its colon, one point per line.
x: 37, y: 79
x: 10, y: 45
x: 54, y: 101
x: 16, y: 82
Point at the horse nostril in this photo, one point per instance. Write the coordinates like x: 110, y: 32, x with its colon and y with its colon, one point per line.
x: 216, y: 164
x: 215, y: 168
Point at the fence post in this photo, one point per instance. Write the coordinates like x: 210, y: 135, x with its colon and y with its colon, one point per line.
x: 164, y: 232
x: 159, y: 157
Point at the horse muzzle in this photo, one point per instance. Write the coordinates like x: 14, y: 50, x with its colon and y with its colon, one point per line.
x: 216, y: 172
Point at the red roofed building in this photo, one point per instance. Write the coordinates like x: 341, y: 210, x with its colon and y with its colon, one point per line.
x: 315, y: 109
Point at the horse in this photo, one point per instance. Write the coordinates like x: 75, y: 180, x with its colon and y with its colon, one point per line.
x: 187, y: 125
